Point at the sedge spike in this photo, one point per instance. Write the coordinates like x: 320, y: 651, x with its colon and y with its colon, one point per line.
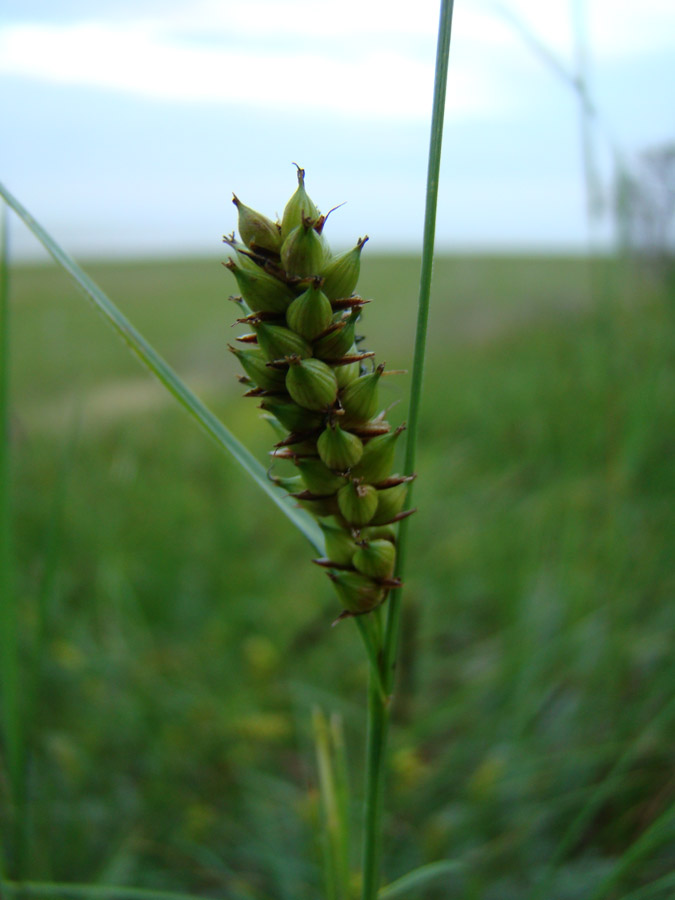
x: 321, y: 392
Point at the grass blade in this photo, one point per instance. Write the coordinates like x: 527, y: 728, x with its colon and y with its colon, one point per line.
x: 440, y: 84
x: 163, y: 372
x: 11, y: 723
x: 60, y: 891
x: 378, y: 710
x: 652, y: 890
x: 417, y: 878
x: 576, y: 828
x: 659, y: 832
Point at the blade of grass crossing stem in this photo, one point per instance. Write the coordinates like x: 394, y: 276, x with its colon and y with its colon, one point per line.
x: 150, y: 358
x: 658, y: 833
x: 12, y: 722
x: 335, y: 858
x: 378, y: 711
x: 342, y: 792
x: 418, y: 878
x: 650, y: 891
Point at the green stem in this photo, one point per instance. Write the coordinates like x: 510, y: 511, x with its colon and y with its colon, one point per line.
x: 378, y: 705
x: 378, y: 722
x: 11, y: 725
x: 442, y: 58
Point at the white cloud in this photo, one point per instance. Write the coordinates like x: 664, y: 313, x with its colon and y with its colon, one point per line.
x: 141, y: 58
x: 363, y: 58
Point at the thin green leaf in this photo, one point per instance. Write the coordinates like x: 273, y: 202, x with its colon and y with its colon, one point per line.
x: 651, y: 890
x: 603, y: 789
x: 378, y: 710
x: 433, y: 174
x: 659, y: 832
x: 22, y: 889
x: 162, y: 371
x: 12, y: 722
x: 418, y: 878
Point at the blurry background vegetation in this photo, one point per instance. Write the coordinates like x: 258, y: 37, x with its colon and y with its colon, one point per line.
x: 176, y: 636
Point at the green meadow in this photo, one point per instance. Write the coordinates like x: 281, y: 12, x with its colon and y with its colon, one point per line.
x: 176, y: 637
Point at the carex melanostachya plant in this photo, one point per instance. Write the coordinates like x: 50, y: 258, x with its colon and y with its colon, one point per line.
x: 304, y: 362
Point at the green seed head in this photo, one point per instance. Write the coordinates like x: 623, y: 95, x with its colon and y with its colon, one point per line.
x: 340, y: 545
x: 350, y: 372
x: 304, y: 252
x: 339, y: 450
x: 256, y: 229
x: 262, y: 291
x: 336, y: 344
x: 290, y: 484
x: 254, y: 364
x: 291, y: 416
x: 311, y: 383
x: 310, y: 313
x: 299, y: 207
x: 320, y: 507
x: 360, y: 398
x: 341, y: 273
x: 276, y: 342
x: 390, y: 503
x: 378, y: 457
x: 318, y: 478
x: 380, y: 532
x: 357, y: 502
x: 358, y: 594
x: 375, y: 558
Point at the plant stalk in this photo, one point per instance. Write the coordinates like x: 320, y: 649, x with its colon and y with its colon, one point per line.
x: 379, y: 706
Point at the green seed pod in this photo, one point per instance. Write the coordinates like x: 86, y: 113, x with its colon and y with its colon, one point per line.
x: 360, y: 398
x: 291, y: 416
x: 277, y: 342
x: 340, y: 545
x: 375, y: 558
x: 320, y: 507
x: 390, y: 503
x: 358, y: 594
x: 341, y: 273
x: 304, y: 252
x: 340, y: 450
x: 262, y: 291
x: 311, y: 383
x: 257, y: 229
x: 299, y: 207
x: 291, y: 483
x: 318, y: 478
x: 242, y: 259
x: 254, y: 364
x: 380, y: 532
x: 346, y: 374
x: 378, y: 457
x: 357, y: 502
x: 337, y: 343
x: 310, y: 313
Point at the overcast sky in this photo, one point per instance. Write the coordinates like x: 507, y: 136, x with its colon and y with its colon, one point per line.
x: 127, y: 125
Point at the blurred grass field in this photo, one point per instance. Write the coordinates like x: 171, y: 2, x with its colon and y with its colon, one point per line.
x: 176, y: 636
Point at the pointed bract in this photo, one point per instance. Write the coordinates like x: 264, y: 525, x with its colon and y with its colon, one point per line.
x: 256, y: 229
x: 299, y: 207
x: 341, y: 273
